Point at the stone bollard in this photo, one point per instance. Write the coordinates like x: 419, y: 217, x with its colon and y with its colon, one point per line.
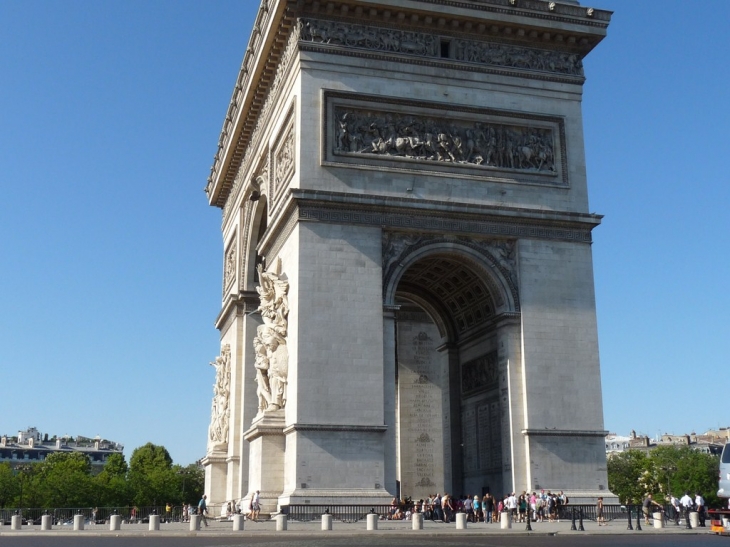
x: 417, y: 519
x: 194, y: 523
x: 46, y: 522
x: 461, y: 521
x: 658, y: 520
x: 154, y: 523
x: 237, y: 523
x: 326, y: 521
x: 694, y: 519
x: 505, y: 520
x: 280, y: 523
x: 372, y: 522
x: 16, y: 522
x: 79, y: 522
x: 115, y: 522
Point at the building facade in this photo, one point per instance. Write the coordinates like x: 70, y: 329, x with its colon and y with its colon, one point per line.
x: 30, y: 446
x: 408, y: 302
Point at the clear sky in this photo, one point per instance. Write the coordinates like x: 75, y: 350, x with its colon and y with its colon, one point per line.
x: 110, y: 257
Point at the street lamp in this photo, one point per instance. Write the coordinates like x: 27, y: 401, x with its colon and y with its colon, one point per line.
x: 22, y: 470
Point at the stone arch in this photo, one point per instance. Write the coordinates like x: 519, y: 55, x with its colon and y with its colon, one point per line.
x: 491, y: 262
x: 255, y: 219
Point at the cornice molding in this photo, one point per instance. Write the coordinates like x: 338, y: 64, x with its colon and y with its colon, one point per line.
x: 564, y: 432
x: 519, y: 21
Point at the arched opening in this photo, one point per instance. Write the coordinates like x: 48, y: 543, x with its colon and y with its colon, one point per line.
x: 449, y: 410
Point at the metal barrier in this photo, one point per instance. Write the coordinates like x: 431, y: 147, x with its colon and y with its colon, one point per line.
x: 344, y: 513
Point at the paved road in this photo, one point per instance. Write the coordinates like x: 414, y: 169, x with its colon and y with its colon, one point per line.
x: 375, y: 540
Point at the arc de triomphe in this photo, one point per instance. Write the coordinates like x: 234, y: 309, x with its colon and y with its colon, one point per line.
x: 408, y: 302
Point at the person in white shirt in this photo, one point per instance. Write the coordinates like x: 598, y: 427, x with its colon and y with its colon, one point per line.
x: 687, y: 504
x: 676, y: 508
x: 700, y: 503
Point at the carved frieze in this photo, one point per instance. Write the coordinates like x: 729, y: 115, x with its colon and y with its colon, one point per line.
x: 220, y: 408
x: 229, y: 265
x: 425, y: 44
x: 284, y: 161
x: 479, y: 374
x: 382, y: 133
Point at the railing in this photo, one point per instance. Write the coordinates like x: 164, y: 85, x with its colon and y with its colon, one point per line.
x: 344, y: 513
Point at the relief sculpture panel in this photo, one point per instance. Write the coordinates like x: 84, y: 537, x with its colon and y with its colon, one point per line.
x: 443, y: 139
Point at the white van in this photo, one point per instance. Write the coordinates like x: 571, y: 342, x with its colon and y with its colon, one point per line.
x: 724, y: 486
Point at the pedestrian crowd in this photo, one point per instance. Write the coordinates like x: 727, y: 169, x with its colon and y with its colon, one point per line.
x: 538, y: 507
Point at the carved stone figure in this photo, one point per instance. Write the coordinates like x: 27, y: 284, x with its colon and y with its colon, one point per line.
x: 272, y: 354
x: 219, y: 415
x: 428, y: 45
x: 502, y: 146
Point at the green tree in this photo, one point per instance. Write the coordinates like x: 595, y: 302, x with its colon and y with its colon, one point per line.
x: 63, y: 480
x: 191, y: 480
x: 624, y: 471
x: 151, y: 477
x: 111, y: 487
x: 9, y: 485
x: 663, y: 471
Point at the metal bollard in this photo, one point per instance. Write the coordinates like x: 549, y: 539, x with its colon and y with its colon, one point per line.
x: 572, y: 519
x: 638, y: 518
x: 528, y: 528
x: 326, y: 521
x: 580, y: 521
x: 154, y: 523
x: 115, y: 522
x: 280, y: 523
x: 372, y: 521
x: 238, y: 523
x: 629, y: 527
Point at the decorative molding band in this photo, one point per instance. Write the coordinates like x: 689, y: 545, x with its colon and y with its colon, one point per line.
x: 370, y: 131
x: 435, y: 222
x: 336, y: 428
x: 404, y: 44
x: 214, y: 458
x: 236, y: 306
x: 564, y: 433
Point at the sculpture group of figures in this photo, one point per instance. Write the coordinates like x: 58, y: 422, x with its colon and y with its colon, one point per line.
x: 477, y: 143
x: 367, y: 37
x: 219, y: 414
x: 271, y: 352
x: 388, y: 40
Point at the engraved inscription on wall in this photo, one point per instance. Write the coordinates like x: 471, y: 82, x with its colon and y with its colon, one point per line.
x: 421, y: 384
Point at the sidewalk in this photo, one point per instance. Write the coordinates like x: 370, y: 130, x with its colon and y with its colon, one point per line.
x: 268, y: 528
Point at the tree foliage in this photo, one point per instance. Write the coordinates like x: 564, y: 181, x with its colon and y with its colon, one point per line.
x: 65, y: 479
x: 665, y: 471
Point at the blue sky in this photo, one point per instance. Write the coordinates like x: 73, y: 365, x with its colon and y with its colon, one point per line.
x: 111, y: 258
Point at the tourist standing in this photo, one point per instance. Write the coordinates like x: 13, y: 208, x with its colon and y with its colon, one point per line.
x: 599, y: 512
x: 203, y: 509
x: 687, y: 504
x: 700, y: 507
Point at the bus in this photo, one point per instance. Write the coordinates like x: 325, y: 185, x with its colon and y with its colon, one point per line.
x: 724, y: 485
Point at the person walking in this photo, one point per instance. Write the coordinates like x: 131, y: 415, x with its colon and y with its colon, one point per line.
x: 599, y: 512
x: 203, y: 509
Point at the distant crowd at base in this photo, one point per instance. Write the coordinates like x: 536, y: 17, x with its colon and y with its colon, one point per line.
x: 539, y: 507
